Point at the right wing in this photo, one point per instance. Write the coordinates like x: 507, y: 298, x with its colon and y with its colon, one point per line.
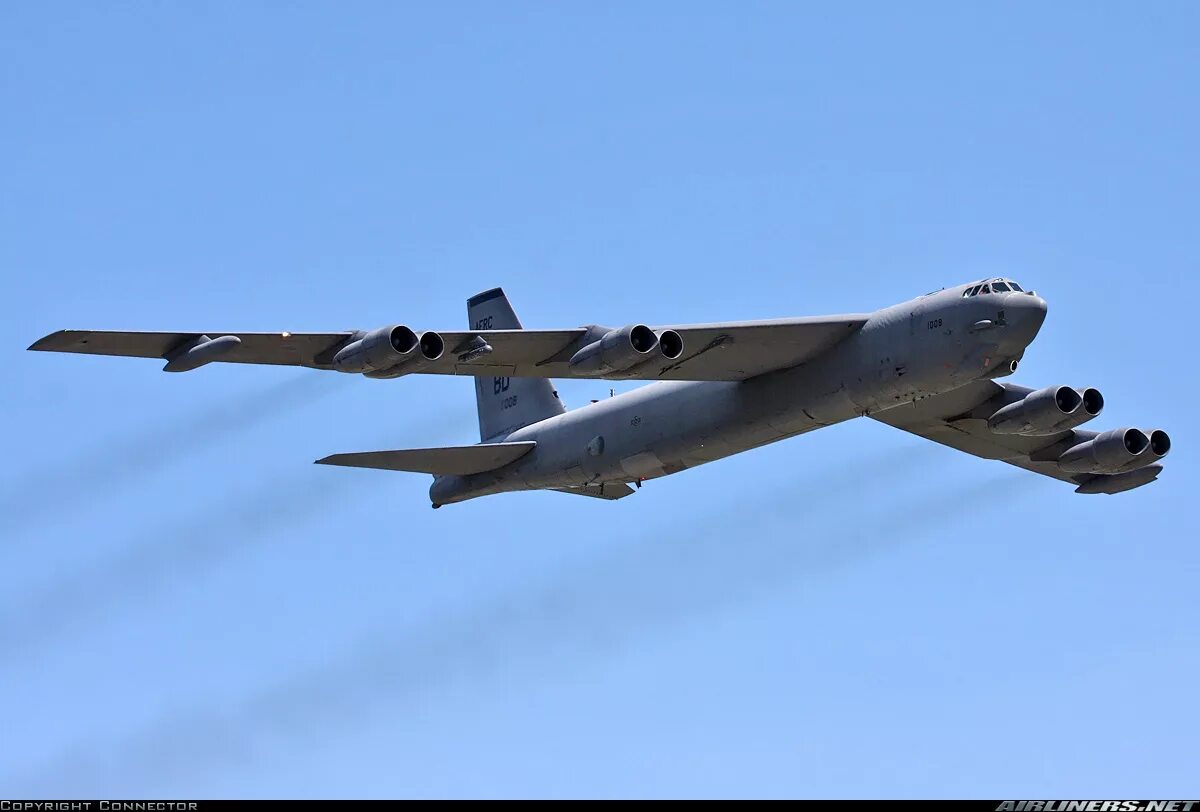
x: 958, y: 419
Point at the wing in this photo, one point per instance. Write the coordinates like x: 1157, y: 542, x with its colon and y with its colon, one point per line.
x: 726, y: 351
x: 958, y: 419
x: 291, y: 349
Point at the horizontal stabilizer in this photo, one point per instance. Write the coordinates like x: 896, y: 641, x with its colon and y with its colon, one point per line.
x: 458, y: 460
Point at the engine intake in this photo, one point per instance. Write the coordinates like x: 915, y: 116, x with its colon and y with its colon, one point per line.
x: 432, y: 346
x: 1093, y: 401
x: 1093, y: 404
x: 626, y: 348
x: 1160, y: 443
x: 671, y: 344
x: 388, y: 352
x: 1112, y: 452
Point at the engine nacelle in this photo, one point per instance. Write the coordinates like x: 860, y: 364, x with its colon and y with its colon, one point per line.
x: 388, y: 352
x: 622, y: 350
x: 1037, y: 413
x: 1047, y: 411
x: 1108, y: 453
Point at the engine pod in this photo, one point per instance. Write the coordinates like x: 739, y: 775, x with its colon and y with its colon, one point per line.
x: 1113, y: 451
x: 377, y: 350
x: 1040, y: 412
x: 618, y: 350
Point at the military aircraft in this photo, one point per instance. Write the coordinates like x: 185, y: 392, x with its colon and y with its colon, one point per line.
x: 927, y: 366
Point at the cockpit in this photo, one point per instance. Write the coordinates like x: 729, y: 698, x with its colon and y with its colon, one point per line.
x: 993, y: 286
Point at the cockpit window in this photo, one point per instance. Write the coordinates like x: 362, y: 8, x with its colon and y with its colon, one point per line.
x: 994, y: 286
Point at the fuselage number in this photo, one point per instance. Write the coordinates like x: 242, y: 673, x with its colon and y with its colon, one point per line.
x: 935, y: 324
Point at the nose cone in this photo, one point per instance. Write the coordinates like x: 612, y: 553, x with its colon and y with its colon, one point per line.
x: 1024, y: 314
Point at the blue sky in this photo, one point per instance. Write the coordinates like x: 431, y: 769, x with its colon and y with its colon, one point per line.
x: 190, y: 608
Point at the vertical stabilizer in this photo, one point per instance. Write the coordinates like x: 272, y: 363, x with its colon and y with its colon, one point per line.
x: 507, y: 404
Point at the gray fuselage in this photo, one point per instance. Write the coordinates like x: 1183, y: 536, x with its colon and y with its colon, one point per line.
x: 922, y: 347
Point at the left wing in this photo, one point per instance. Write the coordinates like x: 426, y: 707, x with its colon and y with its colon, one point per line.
x: 724, y: 351
x: 959, y: 419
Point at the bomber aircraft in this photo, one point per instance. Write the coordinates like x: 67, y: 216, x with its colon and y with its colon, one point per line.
x: 927, y: 366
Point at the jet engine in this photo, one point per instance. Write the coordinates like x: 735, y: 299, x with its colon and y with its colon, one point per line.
x: 388, y: 352
x: 622, y: 350
x: 1047, y: 411
x: 1115, y: 451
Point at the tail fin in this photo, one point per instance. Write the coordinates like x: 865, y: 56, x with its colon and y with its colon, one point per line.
x: 507, y: 404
